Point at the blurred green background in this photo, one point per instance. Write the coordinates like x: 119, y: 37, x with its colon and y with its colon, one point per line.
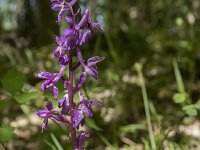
x: 149, y: 81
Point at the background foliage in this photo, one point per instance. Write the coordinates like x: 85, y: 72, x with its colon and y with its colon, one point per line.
x: 156, y: 40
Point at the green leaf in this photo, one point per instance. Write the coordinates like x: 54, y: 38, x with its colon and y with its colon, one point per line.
x: 91, y: 123
x: 26, y: 97
x: 13, y: 81
x: 190, y: 110
x: 179, y: 97
x: 132, y: 128
x: 6, y: 134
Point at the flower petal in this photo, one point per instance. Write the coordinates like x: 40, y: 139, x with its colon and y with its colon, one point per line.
x: 43, y: 113
x: 94, y: 60
x: 80, y: 82
x: 84, y: 20
x: 46, y: 84
x: 59, y: 75
x: 44, y: 124
x: 81, y: 98
x: 97, y: 25
x: 80, y: 58
x: 55, y: 92
x: 81, y: 140
x: 78, y: 117
x: 84, y: 36
x: 92, y: 72
x: 49, y: 106
x: 63, y: 60
x: 87, y: 111
x: 44, y: 75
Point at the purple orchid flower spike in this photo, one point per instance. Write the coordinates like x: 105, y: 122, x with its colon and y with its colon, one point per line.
x: 90, y: 66
x: 78, y: 33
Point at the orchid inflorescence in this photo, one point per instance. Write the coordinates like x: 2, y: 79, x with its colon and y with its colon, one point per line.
x: 77, y: 34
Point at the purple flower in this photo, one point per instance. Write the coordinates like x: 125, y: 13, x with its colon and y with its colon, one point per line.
x: 59, y: 50
x: 83, y: 109
x: 85, y: 28
x: 50, y: 113
x: 90, y: 66
x: 51, y: 80
x: 62, y: 7
x: 81, y: 140
x: 78, y: 118
x: 63, y: 60
x: 64, y: 103
x: 85, y: 105
x: 67, y: 41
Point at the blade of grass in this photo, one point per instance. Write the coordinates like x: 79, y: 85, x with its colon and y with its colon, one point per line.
x: 50, y: 145
x: 138, y: 68
x: 59, y: 147
x: 178, y: 77
x: 104, y: 140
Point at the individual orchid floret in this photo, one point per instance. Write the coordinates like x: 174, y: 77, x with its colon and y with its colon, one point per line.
x: 51, y: 80
x: 86, y: 23
x: 85, y: 28
x: 81, y: 139
x: 90, y: 66
x: 67, y: 41
x: 62, y: 7
x: 85, y: 105
x: 83, y: 109
x: 50, y: 113
x: 78, y: 118
x: 59, y: 50
x: 64, y: 104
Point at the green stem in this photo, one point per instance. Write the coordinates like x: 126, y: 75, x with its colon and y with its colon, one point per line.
x: 70, y: 92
